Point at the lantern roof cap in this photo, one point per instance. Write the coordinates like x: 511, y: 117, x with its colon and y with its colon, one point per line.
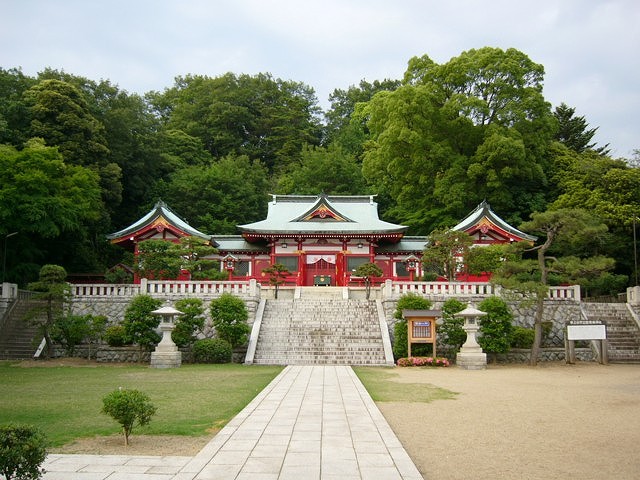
x: 166, y: 310
x: 470, y: 312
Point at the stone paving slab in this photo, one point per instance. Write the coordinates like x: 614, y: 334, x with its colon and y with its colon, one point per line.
x: 310, y: 422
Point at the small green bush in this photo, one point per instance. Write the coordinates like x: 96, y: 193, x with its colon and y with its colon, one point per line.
x: 409, y: 301
x: 496, y: 326
x: 23, y: 448
x: 115, y: 336
x: 128, y: 407
x: 189, y: 323
x: 229, y: 316
x: 521, y: 337
x: 212, y: 350
x: 69, y: 331
x: 451, y: 330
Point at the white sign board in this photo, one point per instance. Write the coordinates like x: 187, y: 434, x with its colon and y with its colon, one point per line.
x: 586, y: 332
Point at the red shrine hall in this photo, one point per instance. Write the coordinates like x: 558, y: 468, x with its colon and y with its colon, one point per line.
x: 321, y: 239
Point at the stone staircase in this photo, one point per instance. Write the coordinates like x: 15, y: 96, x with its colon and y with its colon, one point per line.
x: 623, y: 333
x: 320, y: 328
x: 18, y: 338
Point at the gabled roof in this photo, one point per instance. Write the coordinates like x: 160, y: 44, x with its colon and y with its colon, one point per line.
x: 414, y: 245
x: 160, y: 217
x: 237, y: 243
x: 485, y: 219
x: 290, y: 215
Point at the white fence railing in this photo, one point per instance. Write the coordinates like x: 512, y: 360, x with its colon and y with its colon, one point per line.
x: 250, y: 288
x: 466, y: 289
x: 166, y: 288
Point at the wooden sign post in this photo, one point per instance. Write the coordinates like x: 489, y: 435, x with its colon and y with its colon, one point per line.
x: 586, y: 330
x: 421, y: 327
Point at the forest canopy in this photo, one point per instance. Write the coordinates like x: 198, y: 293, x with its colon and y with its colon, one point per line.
x: 81, y: 158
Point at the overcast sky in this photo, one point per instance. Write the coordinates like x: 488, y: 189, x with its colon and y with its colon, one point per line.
x: 589, y: 48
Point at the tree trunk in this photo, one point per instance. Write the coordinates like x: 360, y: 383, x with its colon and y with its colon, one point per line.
x: 537, y: 328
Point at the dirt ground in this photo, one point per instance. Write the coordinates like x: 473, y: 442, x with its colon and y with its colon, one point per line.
x: 553, y: 421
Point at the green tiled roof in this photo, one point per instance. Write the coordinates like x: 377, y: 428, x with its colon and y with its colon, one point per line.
x: 159, y: 210
x: 484, y: 210
x: 307, y: 214
x: 236, y: 243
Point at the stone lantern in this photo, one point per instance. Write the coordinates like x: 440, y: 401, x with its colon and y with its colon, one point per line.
x: 471, y: 356
x: 166, y: 354
x: 229, y: 262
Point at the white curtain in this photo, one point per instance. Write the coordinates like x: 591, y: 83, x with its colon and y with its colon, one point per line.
x: 316, y: 258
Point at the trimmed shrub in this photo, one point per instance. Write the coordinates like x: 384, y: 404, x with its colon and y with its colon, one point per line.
x: 128, y: 407
x: 23, y: 448
x: 452, y: 332
x: 190, y: 323
x: 410, y: 301
x: 496, y: 326
x: 69, y: 331
x: 115, y: 336
x: 229, y: 316
x: 521, y: 337
x: 212, y: 350
x: 140, y: 324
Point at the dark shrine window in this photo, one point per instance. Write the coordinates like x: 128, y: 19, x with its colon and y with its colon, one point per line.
x: 290, y: 263
x: 242, y: 267
x: 355, y: 262
x: 401, y: 269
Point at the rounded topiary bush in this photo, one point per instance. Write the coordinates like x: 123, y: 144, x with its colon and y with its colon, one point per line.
x: 521, y: 337
x: 212, y: 350
x: 115, y: 336
x: 23, y: 448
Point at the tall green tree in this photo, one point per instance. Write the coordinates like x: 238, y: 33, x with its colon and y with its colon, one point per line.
x: 330, y: 170
x: 264, y: 118
x: 50, y: 203
x: 53, y: 291
x: 574, y: 131
x: 532, y: 276
x: 61, y: 116
x: 342, y: 126
x: 606, y: 187
x: 14, y: 113
x: 229, y: 192
x: 475, y: 127
x: 446, y: 252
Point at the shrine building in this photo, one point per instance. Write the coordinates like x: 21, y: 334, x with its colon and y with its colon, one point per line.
x: 320, y: 239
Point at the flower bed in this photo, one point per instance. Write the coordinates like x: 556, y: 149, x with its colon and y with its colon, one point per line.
x: 423, y: 362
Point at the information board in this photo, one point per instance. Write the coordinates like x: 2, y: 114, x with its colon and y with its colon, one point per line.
x: 587, y: 332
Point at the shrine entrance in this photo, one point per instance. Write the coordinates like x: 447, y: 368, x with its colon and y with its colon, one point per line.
x: 321, y: 270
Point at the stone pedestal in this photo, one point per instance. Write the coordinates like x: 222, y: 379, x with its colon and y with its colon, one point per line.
x: 166, y: 354
x: 471, y: 356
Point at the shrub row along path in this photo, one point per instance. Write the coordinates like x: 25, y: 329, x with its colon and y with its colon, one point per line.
x: 308, y: 423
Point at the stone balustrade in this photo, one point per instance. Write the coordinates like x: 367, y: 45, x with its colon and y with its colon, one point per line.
x: 167, y: 288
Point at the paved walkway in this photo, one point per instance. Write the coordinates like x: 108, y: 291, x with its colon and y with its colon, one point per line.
x: 310, y: 422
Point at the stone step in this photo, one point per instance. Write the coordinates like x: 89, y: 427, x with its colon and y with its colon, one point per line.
x: 320, y: 331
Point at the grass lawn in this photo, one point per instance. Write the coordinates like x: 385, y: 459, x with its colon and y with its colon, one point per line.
x: 380, y: 384
x: 65, y: 402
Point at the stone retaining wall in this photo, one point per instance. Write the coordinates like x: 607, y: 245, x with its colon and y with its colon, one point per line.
x: 556, y: 314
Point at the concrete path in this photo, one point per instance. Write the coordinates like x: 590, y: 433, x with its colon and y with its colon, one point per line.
x: 310, y: 422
